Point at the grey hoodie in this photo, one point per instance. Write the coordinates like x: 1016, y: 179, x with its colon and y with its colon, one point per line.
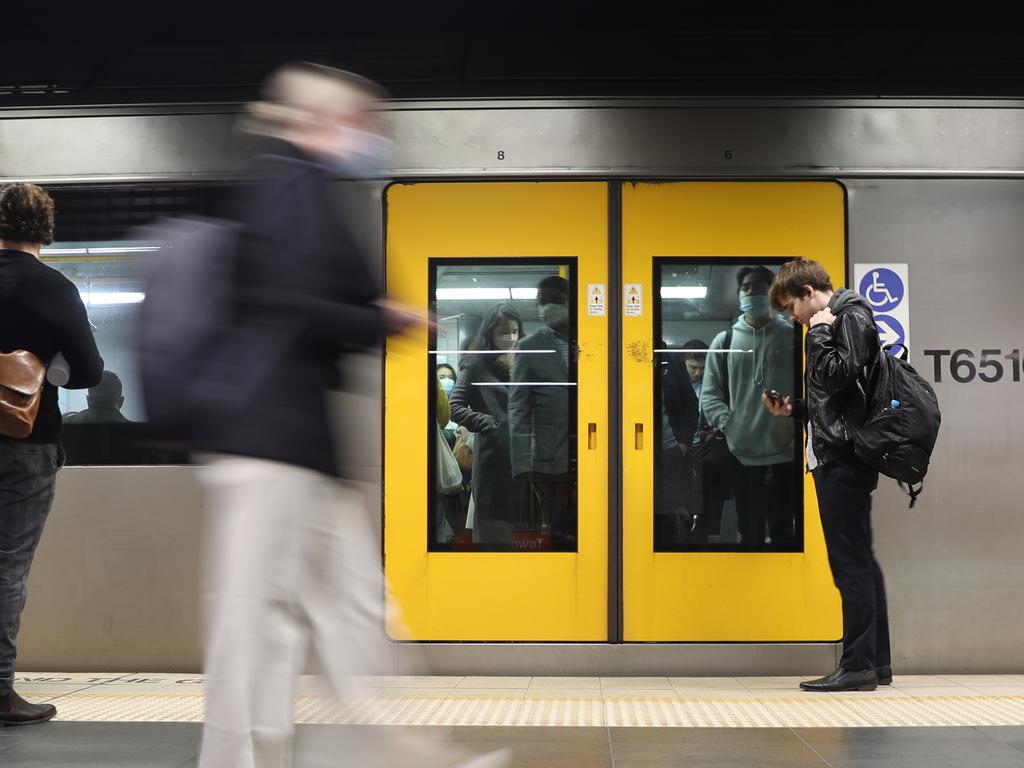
x: 768, y: 361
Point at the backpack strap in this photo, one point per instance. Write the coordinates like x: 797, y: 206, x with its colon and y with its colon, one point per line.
x: 725, y: 363
x: 911, y: 492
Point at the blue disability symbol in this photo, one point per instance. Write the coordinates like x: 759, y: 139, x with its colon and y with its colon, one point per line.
x: 890, y: 331
x: 883, y: 289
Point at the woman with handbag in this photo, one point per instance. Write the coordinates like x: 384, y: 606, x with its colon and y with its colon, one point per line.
x: 483, y: 410
x: 41, y: 315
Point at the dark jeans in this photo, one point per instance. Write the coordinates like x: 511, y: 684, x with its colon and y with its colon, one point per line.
x: 844, y: 498
x: 27, y: 473
x: 766, y: 495
x: 672, y: 519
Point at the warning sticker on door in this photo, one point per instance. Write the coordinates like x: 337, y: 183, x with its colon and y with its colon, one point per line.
x: 596, y: 304
x: 633, y: 299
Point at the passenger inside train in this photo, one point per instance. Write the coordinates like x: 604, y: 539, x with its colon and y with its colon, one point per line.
x: 522, y: 496
x: 726, y: 476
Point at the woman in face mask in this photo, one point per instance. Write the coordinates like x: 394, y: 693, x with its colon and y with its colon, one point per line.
x: 483, y: 410
x: 446, y: 379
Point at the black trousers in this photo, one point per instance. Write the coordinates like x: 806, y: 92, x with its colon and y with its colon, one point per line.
x: 844, y: 498
x: 553, y: 500
x: 766, y: 496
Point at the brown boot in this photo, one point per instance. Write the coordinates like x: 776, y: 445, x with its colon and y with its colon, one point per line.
x: 14, y: 710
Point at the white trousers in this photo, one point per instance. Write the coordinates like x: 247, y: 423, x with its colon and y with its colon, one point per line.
x: 292, y: 565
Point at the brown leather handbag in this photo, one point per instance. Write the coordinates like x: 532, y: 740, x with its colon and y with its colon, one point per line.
x: 21, y: 389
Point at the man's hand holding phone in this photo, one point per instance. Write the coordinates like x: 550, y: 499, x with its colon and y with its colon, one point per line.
x: 776, y: 404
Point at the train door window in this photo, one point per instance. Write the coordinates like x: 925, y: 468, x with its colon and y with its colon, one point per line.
x: 502, y: 403
x: 727, y: 474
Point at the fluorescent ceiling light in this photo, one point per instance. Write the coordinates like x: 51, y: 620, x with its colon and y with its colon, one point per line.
x: 483, y: 294
x: 132, y: 249
x: 101, y: 298
x: 61, y: 251
x: 454, y: 294
x: 684, y: 291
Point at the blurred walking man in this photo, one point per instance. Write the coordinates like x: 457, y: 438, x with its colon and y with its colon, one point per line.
x: 293, y: 562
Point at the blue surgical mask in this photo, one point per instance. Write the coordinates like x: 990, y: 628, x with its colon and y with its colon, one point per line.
x: 361, y: 154
x: 756, y: 305
x: 448, y: 385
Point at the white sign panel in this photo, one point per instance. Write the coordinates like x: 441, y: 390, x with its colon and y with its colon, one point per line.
x: 633, y: 299
x: 596, y: 305
x: 887, y: 290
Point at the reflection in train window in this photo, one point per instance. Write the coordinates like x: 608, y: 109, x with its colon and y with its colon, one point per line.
x: 502, y: 394
x: 103, y: 424
x: 728, y: 474
x: 101, y: 252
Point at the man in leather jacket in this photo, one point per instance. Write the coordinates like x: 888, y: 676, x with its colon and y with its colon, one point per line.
x: 842, y: 350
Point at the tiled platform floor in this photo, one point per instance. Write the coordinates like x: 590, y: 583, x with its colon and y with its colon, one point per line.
x: 175, y: 745
x: 146, y: 720
x: 759, y: 702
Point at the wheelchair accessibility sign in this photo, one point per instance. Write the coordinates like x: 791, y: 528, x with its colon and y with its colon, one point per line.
x: 887, y: 290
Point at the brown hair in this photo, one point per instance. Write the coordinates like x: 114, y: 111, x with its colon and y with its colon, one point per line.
x: 793, y: 276
x: 26, y: 214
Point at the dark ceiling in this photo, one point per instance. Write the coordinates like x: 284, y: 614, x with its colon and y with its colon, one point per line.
x: 460, y: 51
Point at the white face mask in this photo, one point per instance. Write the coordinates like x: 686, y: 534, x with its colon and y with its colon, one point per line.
x: 361, y: 154
x: 554, y: 315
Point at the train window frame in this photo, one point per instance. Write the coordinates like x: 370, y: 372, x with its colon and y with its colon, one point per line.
x: 104, y: 216
x: 657, y: 267
x: 571, y: 263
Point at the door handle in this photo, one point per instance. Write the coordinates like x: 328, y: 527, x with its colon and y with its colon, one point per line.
x: 592, y: 436
x: 638, y: 436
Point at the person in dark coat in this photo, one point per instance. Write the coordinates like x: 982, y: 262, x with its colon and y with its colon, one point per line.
x: 41, y: 312
x: 672, y: 520
x: 539, y: 418
x: 483, y: 410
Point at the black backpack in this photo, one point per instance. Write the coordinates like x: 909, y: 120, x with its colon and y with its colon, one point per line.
x: 902, y: 423
x: 182, y: 324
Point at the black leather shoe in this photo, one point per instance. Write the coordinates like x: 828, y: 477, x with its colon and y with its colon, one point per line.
x: 844, y: 680
x: 14, y: 710
x: 884, y: 675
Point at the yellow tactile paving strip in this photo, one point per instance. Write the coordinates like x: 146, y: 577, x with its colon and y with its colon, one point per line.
x: 651, y: 702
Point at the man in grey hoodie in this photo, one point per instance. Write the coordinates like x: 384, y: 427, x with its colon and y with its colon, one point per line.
x: 762, y: 356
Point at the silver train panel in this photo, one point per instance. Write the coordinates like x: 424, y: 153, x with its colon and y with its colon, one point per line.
x: 938, y: 185
x: 565, y: 138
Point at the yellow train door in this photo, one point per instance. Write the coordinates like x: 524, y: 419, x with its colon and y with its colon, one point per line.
x: 518, y: 549
x: 720, y: 543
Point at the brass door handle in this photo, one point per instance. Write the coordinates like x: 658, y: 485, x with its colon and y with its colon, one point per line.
x: 638, y: 436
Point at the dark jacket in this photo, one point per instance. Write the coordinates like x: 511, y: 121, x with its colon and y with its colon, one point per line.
x: 484, y: 411
x: 304, y: 296
x: 539, y: 415
x: 42, y: 312
x: 840, y: 361
x: 680, y: 399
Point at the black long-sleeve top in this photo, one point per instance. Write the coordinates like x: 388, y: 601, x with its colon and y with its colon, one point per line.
x: 305, y: 296
x: 42, y: 312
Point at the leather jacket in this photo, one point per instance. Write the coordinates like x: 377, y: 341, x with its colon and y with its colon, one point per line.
x: 841, y: 360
